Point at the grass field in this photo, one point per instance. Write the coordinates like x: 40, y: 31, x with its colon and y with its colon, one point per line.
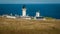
x: 23, y: 26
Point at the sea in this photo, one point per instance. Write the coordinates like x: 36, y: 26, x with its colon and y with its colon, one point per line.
x: 46, y: 10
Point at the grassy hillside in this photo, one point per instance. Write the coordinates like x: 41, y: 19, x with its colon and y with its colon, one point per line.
x: 23, y: 26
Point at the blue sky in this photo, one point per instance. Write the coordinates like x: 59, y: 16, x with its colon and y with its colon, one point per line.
x: 27, y: 1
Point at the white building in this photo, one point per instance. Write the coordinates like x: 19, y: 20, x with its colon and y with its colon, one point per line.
x: 24, y: 11
x: 37, y: 14
x: 24, y: 15
x: 9, y: 16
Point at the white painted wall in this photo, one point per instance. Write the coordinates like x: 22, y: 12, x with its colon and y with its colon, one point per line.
x: 11, y: 17
x: 37, y: 14
x: 24, y: 12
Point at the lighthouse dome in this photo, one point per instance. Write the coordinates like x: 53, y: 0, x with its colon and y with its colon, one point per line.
x: 24, y: 7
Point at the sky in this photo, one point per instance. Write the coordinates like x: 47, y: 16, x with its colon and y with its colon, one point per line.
x: 28, y: 1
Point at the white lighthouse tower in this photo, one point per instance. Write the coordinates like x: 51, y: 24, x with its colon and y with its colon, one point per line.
x: 24, y: 11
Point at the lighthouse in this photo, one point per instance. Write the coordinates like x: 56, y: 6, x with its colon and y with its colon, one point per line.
x: 24, y: 11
